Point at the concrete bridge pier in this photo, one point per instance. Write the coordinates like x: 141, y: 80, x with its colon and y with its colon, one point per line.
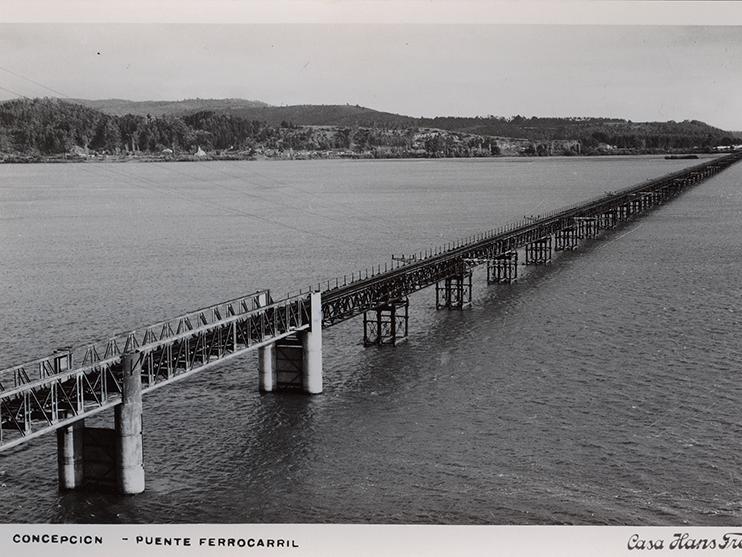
x: 129, y: 449
x: 295, y: 362
x: 70, y: 456
x: 105, y: 458
x: 387, y: 324
x: 538, y: 252
x: 266, y: 357
x: 312, y: 348
x: 70, y: 459
x: 267, y: 368
x: 454, y: 292
x: 503, y: 268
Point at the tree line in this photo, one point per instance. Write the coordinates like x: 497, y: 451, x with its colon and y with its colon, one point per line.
x: 51, y: 126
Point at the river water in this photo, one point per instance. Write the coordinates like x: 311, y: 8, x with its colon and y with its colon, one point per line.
x: 600, y: 390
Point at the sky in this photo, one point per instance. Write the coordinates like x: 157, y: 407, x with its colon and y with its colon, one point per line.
x: 638, y: 72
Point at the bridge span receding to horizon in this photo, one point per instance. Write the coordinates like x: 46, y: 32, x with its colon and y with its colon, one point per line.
x: 58, y: 392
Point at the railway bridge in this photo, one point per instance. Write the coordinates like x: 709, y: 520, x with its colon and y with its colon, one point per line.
x: 56, y: 393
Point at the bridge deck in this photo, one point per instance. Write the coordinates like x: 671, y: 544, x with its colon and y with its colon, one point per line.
x: 348, y: 300
x: 51, y: 392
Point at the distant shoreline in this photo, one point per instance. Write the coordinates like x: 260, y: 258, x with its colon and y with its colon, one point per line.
x: 153, y: 158
x: 49, y: 130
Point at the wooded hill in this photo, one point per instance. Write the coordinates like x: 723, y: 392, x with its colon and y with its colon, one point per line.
x: 51, y: 126
x: 47, y: 127
x: 588, y: 130
x: 120, y: 107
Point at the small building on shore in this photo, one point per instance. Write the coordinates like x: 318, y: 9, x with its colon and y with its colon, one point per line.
x: 81, y: 152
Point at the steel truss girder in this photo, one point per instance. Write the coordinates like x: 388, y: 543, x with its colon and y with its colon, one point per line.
x: 56, y: 400
x: 339, y: 304
x: 63, y: 359
x: 21, y: 374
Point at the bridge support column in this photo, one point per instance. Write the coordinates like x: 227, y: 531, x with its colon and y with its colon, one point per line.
x: 267, y: 368
x: 266, y: 357
x: 296, y: 360
x: 386, y: 324
x: 70, y: 456
x: 454, y: 292
x: 503, y: 268
x: 539, y: 251
x: 587, y: 227
x: 129, y: 451
x: 312, y: 348
x: 565, y: 239
x: 607, y: 221
x: 625, y: 211
x: 674, y: 189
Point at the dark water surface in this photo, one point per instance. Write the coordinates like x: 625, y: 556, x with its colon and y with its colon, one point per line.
x: 603, y: 389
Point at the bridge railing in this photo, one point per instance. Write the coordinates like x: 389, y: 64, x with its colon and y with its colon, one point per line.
x: 56, y: 399
x: 328, y: 285
x: 179, y: 355
x: 132, y: 340
x: 127, y: 341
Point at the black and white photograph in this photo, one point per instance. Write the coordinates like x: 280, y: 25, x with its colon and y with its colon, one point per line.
x: 370, y: 263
